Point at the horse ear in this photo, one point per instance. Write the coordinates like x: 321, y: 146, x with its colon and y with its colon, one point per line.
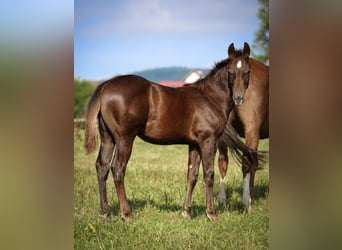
x: 246, y: 50
x: 231, y: 51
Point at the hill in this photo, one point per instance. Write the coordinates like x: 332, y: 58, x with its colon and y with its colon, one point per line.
x: 167, y: 73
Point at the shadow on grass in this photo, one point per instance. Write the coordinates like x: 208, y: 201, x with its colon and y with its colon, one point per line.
x: 234, y: 203
x: 137, y: 205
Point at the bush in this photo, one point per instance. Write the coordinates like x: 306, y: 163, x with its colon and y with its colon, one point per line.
x: 82, y: 91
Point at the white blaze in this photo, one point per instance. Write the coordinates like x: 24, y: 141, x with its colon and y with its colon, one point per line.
x: 246, y: 198
x: 238, y: 65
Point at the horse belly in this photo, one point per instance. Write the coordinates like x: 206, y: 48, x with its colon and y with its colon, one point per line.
x: 164, y: 133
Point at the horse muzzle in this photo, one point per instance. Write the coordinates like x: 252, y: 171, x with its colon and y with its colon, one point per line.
x: 238, y: 100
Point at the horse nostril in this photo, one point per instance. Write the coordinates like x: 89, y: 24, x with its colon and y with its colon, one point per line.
x: 238, y: 100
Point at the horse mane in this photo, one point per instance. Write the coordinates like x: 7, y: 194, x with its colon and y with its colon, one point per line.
x: 201, y: 82
x: 217, y: 67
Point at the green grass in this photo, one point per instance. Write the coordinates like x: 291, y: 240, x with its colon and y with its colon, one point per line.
x: 155, y: 185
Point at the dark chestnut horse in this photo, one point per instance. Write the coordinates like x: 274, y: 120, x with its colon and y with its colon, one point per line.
x: 248, y: 81
x: 128, y: 106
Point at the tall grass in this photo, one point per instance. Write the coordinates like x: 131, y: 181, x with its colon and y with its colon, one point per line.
x: 155, y: 185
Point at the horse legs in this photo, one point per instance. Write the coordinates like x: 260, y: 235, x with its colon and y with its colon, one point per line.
x: 208, y: 150
x: 193, y: 167
x: 223, y: 166
x: 249, y: 169
x: 102, y: 166
x: 122, y: 155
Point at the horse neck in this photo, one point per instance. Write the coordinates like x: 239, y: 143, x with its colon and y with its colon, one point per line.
x: 216, y: 89
x: 261, y: 70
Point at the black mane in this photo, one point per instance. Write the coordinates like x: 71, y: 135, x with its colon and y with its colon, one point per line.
x: 212, y: 72
x: 217, y: 67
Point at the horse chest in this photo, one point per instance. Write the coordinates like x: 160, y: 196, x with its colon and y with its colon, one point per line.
x: 207, y: 123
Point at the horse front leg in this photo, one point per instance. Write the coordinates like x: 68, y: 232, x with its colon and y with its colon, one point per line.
x: 193, y: 168
x: 223, y: 166
x: 208, y: 150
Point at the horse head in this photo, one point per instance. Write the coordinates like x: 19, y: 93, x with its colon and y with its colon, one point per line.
x: 238, y: 72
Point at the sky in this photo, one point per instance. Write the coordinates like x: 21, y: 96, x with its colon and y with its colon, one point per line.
x: 113, y: 37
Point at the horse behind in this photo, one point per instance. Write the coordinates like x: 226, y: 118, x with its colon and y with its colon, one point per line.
x: 248, y: 81
x: 128, y: 106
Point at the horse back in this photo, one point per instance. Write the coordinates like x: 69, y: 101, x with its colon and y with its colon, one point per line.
x: 170, y: 115
x: 132, y: 105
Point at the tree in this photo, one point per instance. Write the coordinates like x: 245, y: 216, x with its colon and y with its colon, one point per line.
x: 261, y: 39
x: 82, y: 92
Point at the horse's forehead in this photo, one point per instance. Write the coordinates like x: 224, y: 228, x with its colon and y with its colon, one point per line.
x: 239, y: 64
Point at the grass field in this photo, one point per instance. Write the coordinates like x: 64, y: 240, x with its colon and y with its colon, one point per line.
x: 155, y: 185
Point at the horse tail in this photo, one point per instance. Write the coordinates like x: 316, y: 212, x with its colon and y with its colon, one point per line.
x: 238, y: 148
x: 93, y: 110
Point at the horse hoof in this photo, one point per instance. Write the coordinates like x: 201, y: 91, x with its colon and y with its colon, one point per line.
x: 126, y: 218
x: 186, y: 215
x: 211, y: 216
x: 247, y: 202
x: 105, y: 215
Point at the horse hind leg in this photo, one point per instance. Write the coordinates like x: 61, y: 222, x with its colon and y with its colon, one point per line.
x: 103, y: 164
x: 193, y: 170
x: 223, y: 166
x: 122, y: 155
x: 208, y: 150
x: 249, y: 168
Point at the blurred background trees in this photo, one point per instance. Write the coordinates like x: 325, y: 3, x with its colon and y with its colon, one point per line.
x: 82, y: 91
x: 261, y: 39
